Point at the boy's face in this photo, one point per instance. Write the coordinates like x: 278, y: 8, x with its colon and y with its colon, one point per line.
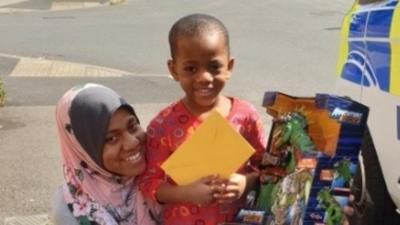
x: 201, y: 65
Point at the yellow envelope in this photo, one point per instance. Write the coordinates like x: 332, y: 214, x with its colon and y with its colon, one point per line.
x: 214, y: 148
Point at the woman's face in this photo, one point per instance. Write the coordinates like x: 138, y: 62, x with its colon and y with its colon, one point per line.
x: 124, y: 147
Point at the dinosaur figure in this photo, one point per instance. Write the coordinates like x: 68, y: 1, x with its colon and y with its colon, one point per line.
x: 342, y: 170
x: 291, y: 131
x: 334, y: 214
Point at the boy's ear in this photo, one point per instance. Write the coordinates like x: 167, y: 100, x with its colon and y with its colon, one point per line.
x: 172, y: 69
x: 231, y: 64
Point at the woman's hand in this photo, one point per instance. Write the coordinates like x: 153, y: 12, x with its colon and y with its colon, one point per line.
x: 348, y: 210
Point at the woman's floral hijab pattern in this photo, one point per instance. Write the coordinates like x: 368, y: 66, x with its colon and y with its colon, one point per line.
x: 94, y: 195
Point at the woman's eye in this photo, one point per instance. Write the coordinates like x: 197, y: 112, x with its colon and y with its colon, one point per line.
x: 133, y: 128
x: 111, y: 139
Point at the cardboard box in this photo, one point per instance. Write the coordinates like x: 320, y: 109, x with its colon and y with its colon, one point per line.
x: 310, y: 159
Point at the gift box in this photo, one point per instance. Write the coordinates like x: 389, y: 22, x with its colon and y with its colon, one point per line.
x: 310, y: 159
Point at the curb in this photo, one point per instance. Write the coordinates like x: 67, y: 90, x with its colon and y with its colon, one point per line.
x: 41, y: 219
x: 16, y: 10
x: 69, y: 5
x: 63, y: 5
x: 40, y: 67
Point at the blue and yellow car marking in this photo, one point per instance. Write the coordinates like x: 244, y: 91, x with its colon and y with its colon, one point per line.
x: 398, y: 123
x: 358, y: 24
x: 391, y: 3
x: 370, y: 47
x: 352, y: 70
x: 379, y: 22
x: 377, y: 52
x: 395, y: 56
x: 344, y: 34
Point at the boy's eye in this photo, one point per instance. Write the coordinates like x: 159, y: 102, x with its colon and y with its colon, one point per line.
x: 214, y: 67
x: 190, y: 69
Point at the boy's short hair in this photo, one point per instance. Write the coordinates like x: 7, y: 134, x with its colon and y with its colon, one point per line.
x: 196, y: 24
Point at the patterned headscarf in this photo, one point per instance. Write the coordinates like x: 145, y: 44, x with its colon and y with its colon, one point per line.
x: 94, y: 195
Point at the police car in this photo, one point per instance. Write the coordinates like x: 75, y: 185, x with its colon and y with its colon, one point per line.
x: 369, y: 71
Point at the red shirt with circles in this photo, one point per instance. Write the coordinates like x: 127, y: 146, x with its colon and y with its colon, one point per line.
x: 167, y: 131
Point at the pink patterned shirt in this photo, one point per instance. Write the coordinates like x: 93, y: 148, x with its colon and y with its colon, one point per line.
x: 167, y: 131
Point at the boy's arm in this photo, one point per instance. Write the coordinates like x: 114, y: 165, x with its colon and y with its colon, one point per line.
x: 156, y: 153
x: 256, y: 138
x: 251, y: 181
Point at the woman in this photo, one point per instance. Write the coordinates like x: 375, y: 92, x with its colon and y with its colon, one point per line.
x: 102, y: 147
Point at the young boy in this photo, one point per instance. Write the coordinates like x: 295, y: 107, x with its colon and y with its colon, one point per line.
x: 201, y: 63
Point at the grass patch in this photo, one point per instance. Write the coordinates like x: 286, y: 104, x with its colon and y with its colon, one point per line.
x: 2, y: 94
x: 116, y: 2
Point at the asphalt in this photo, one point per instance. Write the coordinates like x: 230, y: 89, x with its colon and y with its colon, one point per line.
x: 7, y: 64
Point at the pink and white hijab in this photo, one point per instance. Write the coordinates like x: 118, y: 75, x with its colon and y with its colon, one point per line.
x: 94, y: 195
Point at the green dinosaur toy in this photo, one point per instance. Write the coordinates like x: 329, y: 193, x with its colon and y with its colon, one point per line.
x: 334, y: 214
x: 342, y: 170
x: 291, y: 130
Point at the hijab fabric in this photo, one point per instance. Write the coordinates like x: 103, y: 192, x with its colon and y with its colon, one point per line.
x: 94, y: 195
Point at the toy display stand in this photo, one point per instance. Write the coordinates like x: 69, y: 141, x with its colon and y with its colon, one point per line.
x: 310, y: 159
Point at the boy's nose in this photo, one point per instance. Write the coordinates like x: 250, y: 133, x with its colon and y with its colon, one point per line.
x: 204, y: 76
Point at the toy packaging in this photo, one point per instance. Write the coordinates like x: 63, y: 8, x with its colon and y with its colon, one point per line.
x: 309, y: 162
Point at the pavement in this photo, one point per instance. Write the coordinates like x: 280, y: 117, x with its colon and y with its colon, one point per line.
x: 18, y: 121
x: 21, y: 124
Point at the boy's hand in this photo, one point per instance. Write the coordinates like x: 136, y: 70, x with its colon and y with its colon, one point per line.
x: 230, y: 190
x: 201, y: 191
